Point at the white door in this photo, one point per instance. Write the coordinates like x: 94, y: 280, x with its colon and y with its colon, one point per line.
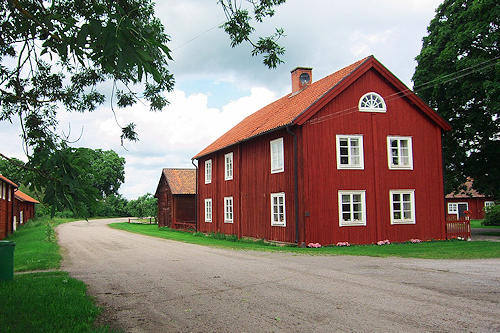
x: 21, y: 217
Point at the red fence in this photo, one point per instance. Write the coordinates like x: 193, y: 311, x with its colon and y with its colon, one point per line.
x: 459, y: 228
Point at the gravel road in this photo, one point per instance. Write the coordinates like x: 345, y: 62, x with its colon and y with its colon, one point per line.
x: 147, y: 284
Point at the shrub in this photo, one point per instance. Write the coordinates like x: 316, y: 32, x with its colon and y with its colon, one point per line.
x: 492, y: 216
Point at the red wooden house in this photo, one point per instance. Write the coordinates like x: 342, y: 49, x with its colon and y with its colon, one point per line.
x: 468, y: 199
x: 24, y: 208
x: 176, y: 198
x: 7, y: 189
x: 355, y: 156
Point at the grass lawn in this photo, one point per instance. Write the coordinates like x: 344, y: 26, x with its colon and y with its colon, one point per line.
x: 477, y: 224
x: 46, y: 302
x: 32, y: 250
x: 429, y: 250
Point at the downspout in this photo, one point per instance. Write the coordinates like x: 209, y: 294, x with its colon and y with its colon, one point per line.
x: 195, y: 197
x: 295, y: 182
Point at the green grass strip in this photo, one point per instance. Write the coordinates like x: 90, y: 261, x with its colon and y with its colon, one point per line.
x: 477, y: 224
x: 46, y: 302
x: 34, y: 251
x: 452, y: 249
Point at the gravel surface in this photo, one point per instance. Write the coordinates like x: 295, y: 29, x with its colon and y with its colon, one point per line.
x: 147, y: 284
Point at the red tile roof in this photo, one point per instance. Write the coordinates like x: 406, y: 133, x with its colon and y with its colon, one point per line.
x: 24, y: 197
x: 181, y: 181
x: 8, y: 181
x: 281, y: 112
x: 468, y: 192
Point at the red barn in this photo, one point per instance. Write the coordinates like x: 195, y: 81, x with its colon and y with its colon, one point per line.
x: 7, y: 189
x: 467, y: 199
x: 355, y: 156
x: 24, y: 208
x: 176, y: 198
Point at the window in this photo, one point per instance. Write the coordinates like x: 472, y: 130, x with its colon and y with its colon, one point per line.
x: 277, y: 158
x: 402, y: 206
x: 208, y: 210
x: 452, y: 208
x: 399, y: 152
x: 208, y: 171
x: 2, y: 192
x: 9, y: 192
x: 352, y: 208
x: 278, y: 214
x: 350, y: 152
x: 371, y: 102
x: 228, y: 209
x: 489, y: 204
x: 228, y: 169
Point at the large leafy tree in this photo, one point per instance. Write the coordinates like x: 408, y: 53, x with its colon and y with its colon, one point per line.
x: 58, y: 55
x: 458, y: 74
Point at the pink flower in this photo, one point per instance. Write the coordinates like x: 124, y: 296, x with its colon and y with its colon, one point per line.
x: 415, y: 240
x: 384, y: 242
x: 343, y: 244
x: 314, y: 245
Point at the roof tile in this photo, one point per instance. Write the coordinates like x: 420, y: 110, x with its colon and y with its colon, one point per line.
x: 181, y: 181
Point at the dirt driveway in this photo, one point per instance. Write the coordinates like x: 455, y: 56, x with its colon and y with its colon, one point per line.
x: 147, y: 284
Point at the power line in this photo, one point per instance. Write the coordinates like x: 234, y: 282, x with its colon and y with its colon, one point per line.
x: 197, y: 36
x: 400, y: 94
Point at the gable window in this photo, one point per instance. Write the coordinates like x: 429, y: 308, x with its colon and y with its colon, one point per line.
x: 352, y: 208
x: 208, y: 210
x: 372, y: 102
x: 350, y: 152
x: 277, y: 157
x: 278, y: 215
x: 399, y: 152
x: 228, y: 209
x: 402, y: 206
x: 452, y: 208
x: 208, y: 171
x: 228, y: 169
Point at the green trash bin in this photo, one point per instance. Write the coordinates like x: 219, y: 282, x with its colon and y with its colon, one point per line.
x: 7, y: 260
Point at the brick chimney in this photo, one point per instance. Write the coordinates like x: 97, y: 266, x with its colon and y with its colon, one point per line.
x: 301, y: 77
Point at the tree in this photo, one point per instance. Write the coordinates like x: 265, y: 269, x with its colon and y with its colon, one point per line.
x: 13, y: 170
x: 143, y: 206
x: 55, y: 55
x: 458, y: 74
x: 107, y: 170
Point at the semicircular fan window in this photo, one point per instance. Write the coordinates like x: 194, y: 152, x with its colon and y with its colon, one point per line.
x: 372, y: 102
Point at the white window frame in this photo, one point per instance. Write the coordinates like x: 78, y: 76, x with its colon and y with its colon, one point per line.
x: 208, y: 210
x: 208, y: 171
x: 452, y: 208
x: 276, y: 222
x: 489, y: 204
x: 392, y: 166
x: 9, y: 192
x: 228, y: 166
x: 228, y: 210
x: 352, y: 222
x: 372, y: 109
x: 402, y: 220
x: 350, y: 165
x: 277, y: 155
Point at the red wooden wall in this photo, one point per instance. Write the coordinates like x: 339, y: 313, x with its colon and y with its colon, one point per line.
x: 185, y: 207
x: 174, y: 208
x: 165, y: 208
x: 28, y: 209
x: 322, y: 180
x: 6, y: 212
x: 476, y: 207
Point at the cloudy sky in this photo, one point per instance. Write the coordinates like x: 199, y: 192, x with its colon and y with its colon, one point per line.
x: 217, y: 86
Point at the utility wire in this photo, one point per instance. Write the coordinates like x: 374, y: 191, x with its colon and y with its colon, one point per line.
x: 197, y: 36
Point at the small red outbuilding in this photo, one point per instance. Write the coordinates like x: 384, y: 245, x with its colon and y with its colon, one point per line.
x: 24, y: 208
x: 176, y: 193
x: 467, y: 199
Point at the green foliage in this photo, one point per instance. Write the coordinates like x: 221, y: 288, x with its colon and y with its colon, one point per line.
x: 113, y: 205
x: 239, y: 27
x: 47, y: 302
x: 13, y: 170
x: 143, y: 206
x: 492, y: 217
x: 458, y: 74
x: 50, y: 233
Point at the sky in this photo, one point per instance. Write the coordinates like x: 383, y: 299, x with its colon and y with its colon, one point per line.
x: 217, y: 86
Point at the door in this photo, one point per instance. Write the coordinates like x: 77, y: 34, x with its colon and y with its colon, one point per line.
x: 462, y: 207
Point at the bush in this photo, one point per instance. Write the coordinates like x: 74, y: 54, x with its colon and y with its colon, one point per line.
x: 492, y: 216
